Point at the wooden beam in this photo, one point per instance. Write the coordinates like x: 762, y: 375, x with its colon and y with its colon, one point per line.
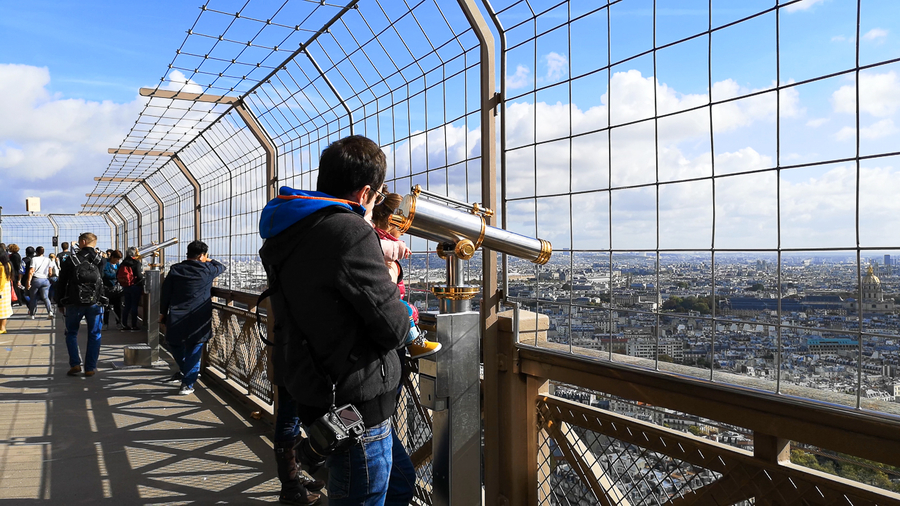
x: 867, y: 435
x: 183, y: 95
x: 96, y: 205
x: 120, y: 179
x: 139, y: 152
x: 102, y: 195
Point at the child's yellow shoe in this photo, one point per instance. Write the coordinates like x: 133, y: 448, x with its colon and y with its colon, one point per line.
x: 423, y: 348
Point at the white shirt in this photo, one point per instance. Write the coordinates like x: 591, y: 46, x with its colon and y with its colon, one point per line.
x: 41, y: 266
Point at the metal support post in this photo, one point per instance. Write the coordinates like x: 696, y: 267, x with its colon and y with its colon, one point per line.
x: 450, y: 386
x: 55, y: 233
x: 137, y: 214
x: 162, y: 215
x: 196, y: 186
x: 491, y: 296
x: 266, y: 143
x: 123, y: 237
x: 113, y: 231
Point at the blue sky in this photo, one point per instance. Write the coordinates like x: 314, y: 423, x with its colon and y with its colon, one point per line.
x: 69, y: 75
x: 95, y: 50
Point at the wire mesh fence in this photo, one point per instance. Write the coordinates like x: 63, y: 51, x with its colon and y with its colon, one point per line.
x: 717, y: 178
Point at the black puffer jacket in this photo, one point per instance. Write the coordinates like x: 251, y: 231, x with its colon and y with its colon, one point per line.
x: 337, y: 293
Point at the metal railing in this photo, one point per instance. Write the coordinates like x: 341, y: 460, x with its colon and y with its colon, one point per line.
x: 555, y: 450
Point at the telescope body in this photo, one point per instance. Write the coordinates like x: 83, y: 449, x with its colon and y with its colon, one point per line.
x: 436, y: 221
x: 150, y: 248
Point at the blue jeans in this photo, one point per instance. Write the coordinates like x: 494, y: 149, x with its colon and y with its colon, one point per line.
x: 40, y: 287
x: 93, y: 316
x: 370, y: 473
x: 132, y: 295
x: 287, y: 423
x: 188, y: 360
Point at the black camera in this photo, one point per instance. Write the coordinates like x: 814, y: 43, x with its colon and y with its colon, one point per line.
x: 336, y: 430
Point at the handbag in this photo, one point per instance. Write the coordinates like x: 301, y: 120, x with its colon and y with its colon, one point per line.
x: 12, y: 292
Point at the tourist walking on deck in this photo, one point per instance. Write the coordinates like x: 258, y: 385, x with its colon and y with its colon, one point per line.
x: 16, y: 260
x: 37, y: 282
x: 185, y: 306
x: 80, y: 295
x: 6, y: 289
x: 130, y: 275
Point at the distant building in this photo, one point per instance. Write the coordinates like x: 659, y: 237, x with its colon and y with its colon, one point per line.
x: 646, y: 348
x: 872, y: 296
x: 830, y: 345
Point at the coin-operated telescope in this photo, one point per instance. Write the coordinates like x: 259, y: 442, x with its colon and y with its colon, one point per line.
x: 147, y: 355
x: 154, y: 249
x: 460, y: 229
x: 449, y: 380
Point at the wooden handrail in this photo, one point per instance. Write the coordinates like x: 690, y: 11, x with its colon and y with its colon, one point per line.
x: 855, y: 432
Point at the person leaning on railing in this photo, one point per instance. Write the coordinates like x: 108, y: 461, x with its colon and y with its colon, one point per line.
x: 185, y: 307
x: 338, y: 321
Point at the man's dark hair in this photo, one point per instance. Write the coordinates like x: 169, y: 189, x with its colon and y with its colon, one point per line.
x: 197, y: 248
x: 64, y: 246
x: 39, y: 251
x: 29, y: 251
x: 349, y: 164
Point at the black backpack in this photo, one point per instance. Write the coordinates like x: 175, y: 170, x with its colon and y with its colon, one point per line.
x: 86, y: 285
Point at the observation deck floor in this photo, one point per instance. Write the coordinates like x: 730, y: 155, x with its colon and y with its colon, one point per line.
x: 121, y: 436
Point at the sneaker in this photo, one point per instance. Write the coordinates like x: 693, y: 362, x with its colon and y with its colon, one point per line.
x: 422, y: 348
x: 175, y: 378
x: 51, y: 316
x: 31, y: 316
x: 74, y: 371
x: 185, y: 390
x: 89, y: 373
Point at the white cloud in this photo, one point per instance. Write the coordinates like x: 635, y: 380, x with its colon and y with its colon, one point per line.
x: 179, y: 82
x: 845, y: 134
x: 878, y: 95
x: 877, y: 130
x: 875, y: 34
x: 48, y: 142
x: 802, y: 6
x: 557, y: 66
x: 817, y: 122
x: 520, y: 79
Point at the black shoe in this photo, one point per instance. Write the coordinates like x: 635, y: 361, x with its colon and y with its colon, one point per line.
x: 297, y: 495
x: 175, y: 378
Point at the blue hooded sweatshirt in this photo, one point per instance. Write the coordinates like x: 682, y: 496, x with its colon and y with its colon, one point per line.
x: 291, y: 206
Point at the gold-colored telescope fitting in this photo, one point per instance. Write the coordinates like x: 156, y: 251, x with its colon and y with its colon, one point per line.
x: 455, y: 292
x: 546, y: 251
x: 464, y: 249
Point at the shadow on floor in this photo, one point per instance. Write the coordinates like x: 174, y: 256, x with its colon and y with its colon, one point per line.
x: 121, y: 436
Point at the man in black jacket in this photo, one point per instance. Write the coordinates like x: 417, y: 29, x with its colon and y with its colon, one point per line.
x: 339, y: 318
x: 185, y: 306
x: 69, y: 292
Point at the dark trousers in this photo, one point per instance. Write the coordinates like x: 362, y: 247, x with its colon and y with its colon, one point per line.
x: 132, y: 296
x: 115, y: 305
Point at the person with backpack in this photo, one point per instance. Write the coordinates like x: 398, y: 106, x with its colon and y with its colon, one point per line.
x: 185, y: 306
x: 80, y: 295
x: 130, y: 276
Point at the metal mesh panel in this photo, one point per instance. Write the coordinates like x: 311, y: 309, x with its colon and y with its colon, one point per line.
x: 672, y: 153
x: 237, y: 350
